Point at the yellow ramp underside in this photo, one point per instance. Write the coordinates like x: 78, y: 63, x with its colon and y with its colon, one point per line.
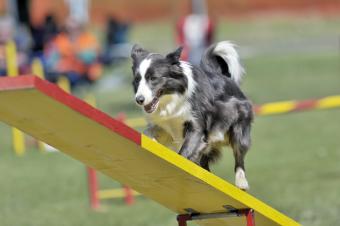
x: 88, y: 135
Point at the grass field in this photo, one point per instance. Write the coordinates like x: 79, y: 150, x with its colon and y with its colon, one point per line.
x: 293, y: 164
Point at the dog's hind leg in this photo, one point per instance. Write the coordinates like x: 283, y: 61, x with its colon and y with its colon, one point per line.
x: 240, y: 142
x: 211, y: 156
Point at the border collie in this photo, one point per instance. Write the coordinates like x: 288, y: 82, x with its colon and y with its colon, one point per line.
x: 195, y: 110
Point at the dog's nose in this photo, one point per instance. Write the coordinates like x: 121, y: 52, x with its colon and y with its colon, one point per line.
x: 140, y: 99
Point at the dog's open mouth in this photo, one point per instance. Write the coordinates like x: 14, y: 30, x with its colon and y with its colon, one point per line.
x: 153, y: 105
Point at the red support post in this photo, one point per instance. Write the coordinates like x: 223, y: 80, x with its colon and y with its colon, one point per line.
x: 250, y: 217
x: 129, y: 198
x: 93, y: 188
x: 182, y: 219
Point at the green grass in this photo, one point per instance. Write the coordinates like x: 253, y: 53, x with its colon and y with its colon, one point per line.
x: 292, y: 77
x: 293, y: 164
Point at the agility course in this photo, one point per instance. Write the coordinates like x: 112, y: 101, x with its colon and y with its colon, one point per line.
x: 292, y: 166
x: 120, y: 152
x: 266, y: 109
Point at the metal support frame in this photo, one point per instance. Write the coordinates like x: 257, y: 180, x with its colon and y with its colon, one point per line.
x: 248, y: 213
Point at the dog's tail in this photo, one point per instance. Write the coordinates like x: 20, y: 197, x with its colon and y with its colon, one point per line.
x: 222, y: 58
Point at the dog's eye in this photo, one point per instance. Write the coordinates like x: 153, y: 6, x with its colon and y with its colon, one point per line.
x: 137, y: 79
x: 152, y: 78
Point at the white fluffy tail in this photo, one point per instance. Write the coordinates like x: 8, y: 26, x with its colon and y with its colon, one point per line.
x: 226, y: 50
x: 222, y: 58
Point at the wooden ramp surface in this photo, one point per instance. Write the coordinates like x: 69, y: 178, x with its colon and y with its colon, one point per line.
x: 86, y: 134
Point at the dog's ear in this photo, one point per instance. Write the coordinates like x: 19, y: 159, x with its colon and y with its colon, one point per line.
x: 138, y: 53
x: 173, y: 57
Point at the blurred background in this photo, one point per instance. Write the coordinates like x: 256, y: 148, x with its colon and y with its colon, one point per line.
x: 290, y: 49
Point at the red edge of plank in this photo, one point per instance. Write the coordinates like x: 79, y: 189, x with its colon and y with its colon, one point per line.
x: 53, y: 91
x: 22, y: 82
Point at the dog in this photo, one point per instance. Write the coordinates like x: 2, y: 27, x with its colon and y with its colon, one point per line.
x: 195, y: 110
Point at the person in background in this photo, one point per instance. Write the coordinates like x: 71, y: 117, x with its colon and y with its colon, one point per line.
x: 5, y: 35
x: 73, y: 53
x: 50, y: 28
x: 195, y: 32
x: 43, y: 34
x: 20, y: 35
x: 116, y: 41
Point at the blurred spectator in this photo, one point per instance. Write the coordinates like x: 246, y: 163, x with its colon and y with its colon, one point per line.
x: 73, y: 53
x: 42, y: 34
x: 195, y: 32
x: 50, y: 28
x: 20, y: 35
x: 116, y: 47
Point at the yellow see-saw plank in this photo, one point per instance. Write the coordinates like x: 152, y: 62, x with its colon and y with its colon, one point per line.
x: 92, y: 137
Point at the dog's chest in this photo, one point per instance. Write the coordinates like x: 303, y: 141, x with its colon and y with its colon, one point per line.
x: 171, y: 115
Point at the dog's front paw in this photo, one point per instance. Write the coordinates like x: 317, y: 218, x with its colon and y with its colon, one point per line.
x: 241, y: 180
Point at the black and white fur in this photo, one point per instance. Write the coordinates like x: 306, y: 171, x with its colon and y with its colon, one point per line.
x: 195, y: 110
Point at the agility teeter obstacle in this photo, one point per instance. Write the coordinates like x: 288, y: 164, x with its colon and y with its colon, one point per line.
x: 51, y: 115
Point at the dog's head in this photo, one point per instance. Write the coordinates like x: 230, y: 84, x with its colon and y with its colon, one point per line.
x: 156, y: 75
